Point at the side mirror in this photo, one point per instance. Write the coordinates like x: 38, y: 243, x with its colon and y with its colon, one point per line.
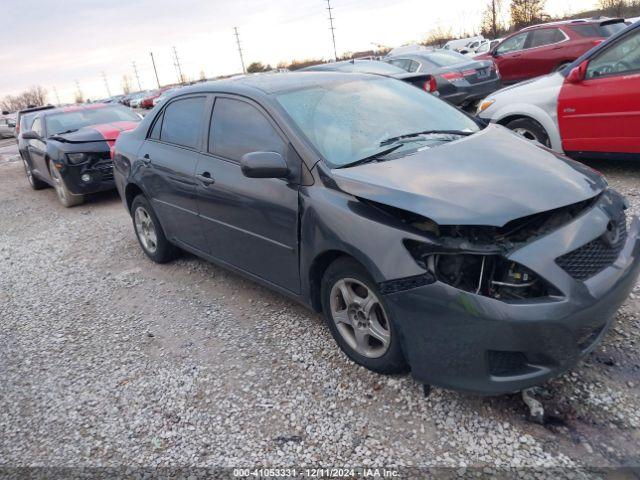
x: 577, y: 74
x: 31, y: 135
x: 264, y: 165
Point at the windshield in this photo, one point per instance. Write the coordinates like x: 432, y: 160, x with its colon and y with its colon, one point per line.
x: 371, y: 67
x: 444, y: 59
x: 74, y: 120
x: 348, y: 120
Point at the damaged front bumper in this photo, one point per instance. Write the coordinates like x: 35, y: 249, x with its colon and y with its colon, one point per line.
x: 90, y: 177
x: 457, y: 339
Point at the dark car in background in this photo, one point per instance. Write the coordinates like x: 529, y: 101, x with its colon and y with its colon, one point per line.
x: 541, y: 49
x: 424, y: 81
x: 459, y: 79
x: 70, y: 148
x: 428, y: 242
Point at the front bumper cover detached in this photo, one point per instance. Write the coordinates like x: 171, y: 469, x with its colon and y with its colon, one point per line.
x: 455, y: 339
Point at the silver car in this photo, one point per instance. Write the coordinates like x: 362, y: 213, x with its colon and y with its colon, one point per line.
x: 7, y: 127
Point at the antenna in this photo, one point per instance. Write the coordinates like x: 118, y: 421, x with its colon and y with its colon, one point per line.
x: 106, y: 84
x: 244, y: 70
x: 177, y: 64
x: 135, y: 69
x: 155, y: 69
x: 332, y: 28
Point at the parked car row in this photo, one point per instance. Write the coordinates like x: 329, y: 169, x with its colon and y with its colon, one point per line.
x: 431, y: 240
x: 590, y: 109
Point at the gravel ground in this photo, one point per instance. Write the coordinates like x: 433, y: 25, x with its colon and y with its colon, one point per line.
x: 107, y: 359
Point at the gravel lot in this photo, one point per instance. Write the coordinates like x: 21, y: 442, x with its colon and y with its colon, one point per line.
x: 108, y: 359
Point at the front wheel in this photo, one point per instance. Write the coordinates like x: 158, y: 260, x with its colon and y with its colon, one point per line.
x: 530, y: 129
x: 149, y: 232
x: 358, y: 319
x: 66, y: 198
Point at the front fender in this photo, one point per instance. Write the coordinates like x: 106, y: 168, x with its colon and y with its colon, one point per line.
x: 545, y: 118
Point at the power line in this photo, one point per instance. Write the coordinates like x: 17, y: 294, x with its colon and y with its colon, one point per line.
x: 244, y: 70
x: 154, y: 68
x: 177, y: 64
x: 135, y: 70
x: 332, y: 28
x: 106, y: 84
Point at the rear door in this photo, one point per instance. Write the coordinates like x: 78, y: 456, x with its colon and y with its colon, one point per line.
x: 170, y: 155
x: 250, y: 223
x: 543, y: 52
x: 508, y: 58
x: 602, y: 112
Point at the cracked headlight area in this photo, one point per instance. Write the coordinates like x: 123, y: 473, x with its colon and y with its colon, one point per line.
x: 489, y: 275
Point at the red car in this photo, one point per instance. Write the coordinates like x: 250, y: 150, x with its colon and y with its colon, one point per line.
x: 147, y: 102
x: 541, y: 49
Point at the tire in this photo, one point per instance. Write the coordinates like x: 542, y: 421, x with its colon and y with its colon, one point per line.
x: 530, y: 129
x: 351, y: 324
x: 149, y: 232
x: 66, y: 198
x: 34, y: 182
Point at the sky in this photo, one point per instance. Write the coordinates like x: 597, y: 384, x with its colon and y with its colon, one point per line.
x: 54, y: 43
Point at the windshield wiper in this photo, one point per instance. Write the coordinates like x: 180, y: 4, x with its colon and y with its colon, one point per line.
x: 371, y: 158
x: 68, y: 131
x: 391, y: 140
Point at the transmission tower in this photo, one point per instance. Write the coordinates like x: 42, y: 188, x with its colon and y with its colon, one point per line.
x: 332, y: 28
x: 244, y: 70
x: 177, y: 64
x: 106, y: 84
x: 135, y: 70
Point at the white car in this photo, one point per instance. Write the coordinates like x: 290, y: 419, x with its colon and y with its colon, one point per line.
x: 486, y: 47
x: 7, y: 126
x: 461, y: 43
x: 528, y: 108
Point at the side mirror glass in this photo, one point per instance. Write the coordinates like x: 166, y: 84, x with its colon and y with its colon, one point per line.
x: 264, y: 165
x: 30, y: 135
x: 577, y: 74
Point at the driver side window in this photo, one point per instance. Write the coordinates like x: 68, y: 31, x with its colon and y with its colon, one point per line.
x: 37, y: 126
x: 512, y: 44
x: 623, y: 57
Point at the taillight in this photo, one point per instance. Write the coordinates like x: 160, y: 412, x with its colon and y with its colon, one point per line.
x: 431, y: 85
x: 452, y: 76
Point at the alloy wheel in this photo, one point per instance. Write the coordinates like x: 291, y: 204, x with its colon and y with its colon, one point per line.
x: 146, y: 230
x: 360, y: 318
x: 58, y: 185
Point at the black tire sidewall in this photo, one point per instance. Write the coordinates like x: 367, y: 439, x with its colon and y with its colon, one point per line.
x: 533, y: 126
x: 165, y: 251
x: 393, y: 360
x: 35, y: 183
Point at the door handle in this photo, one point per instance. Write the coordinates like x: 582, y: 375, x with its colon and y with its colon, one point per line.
x: 146, y: 160
x: 205, y: 178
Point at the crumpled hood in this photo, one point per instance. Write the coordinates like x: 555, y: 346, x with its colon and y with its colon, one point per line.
x: 489, y: 178
x: 96, y: 133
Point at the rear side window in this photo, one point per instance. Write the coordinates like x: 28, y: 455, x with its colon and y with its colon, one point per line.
x: 598, y: 30
x: 238, y: 128
x: 182, y: 122
x: 590, y: 30
x: 545, y: 36
x: 155, y: 132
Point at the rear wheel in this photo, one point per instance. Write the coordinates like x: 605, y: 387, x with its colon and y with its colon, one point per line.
x: 35, y: 183
x: 66, y: 198
x: 530, y: 129
x: 149, y: 232
x: 358, y: 319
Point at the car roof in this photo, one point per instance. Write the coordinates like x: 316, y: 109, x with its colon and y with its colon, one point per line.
x: 577, y: 21
x: 271, y: 83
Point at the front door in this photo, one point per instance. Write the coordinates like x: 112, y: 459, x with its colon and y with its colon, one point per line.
x: 37, y: 150
x: 168, y: 160
x: 601, y: 113
x: 250, y: 223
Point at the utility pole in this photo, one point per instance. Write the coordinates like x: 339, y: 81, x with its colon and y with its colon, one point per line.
x: 155, y: 69
x: 79, y: 94
x: 244, y: 70
x: 135, y: 69
x: 332, y: 28
x: 55, y: 90
x: 106, y: 84
x: 177, y: 64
